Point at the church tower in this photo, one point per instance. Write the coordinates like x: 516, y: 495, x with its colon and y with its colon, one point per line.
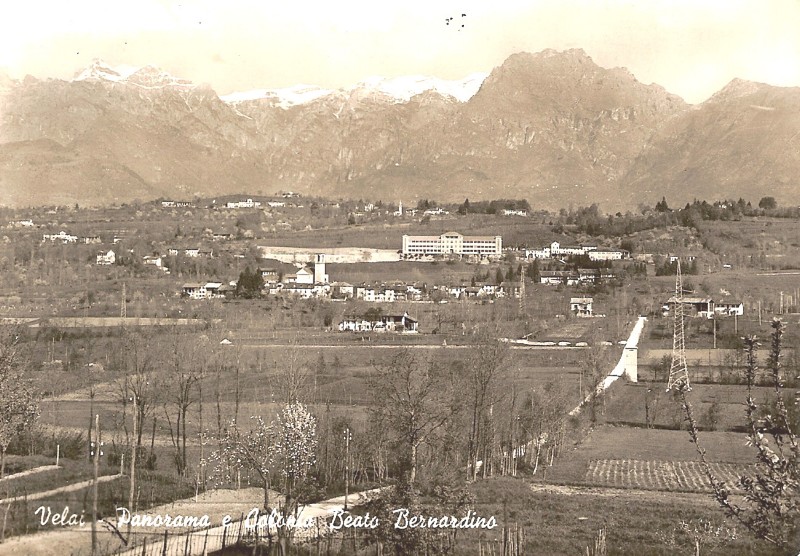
x: 319, y: 269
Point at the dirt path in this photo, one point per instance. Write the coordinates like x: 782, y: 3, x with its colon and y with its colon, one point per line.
x: 60, y: 490
x: 30, y: 472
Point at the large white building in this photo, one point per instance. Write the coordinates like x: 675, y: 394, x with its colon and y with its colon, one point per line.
x: 453, y: 243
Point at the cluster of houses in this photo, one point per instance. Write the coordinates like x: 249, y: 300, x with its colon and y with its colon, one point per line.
x: 582, y: 276
x: 557, y: 251
x: 247, y: 203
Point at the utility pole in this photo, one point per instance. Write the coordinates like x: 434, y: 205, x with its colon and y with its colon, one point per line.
x: 714, y: 319
x: 123, y: 308
x: 96, y: 456
x: 133, y: 461
x: 347, y: 437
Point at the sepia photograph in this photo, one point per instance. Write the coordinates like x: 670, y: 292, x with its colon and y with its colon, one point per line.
x: 514, y: 278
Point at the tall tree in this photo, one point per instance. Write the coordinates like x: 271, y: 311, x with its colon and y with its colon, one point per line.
x: 487, y: 363
x: 19, y: 402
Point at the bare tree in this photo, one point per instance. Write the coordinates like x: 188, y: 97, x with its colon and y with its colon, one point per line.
x: 412, y: 400
x: 19, y: 402
x: 486, y: 366
x: 183, y: 371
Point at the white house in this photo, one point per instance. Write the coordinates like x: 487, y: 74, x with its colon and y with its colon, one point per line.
x: 607, y: 255
x: 729, y: 308
x: 194, y: 290
x: 155, y: 260
x: 61, y: 236
x: 107, y: 258
x: 304, y: 276
x: 581, y: 306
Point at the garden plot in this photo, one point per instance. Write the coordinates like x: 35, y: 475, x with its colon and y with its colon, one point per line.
x: 661, y: 475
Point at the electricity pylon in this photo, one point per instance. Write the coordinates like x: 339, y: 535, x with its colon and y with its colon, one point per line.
x: 678, y: 373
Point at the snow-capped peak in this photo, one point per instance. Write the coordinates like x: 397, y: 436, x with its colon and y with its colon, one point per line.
x: 284, y: 98
x: 401, y: 89
x: 148, y: 77
x: 395, y: 89
x: 99, y: 69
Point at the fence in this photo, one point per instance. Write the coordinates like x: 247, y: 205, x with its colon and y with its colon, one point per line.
x: 511, y: 540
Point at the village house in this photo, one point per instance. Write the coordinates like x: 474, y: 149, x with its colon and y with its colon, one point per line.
x: 581, y: 306
x: 513, y: 212
x: 608, y: 255
x: 194, y: 290
x: 268, y: 275
x: 106, y: 258
x: 249, y: 203
x: 154, y: 260
x: 91, y: 240
x: 382, y: 323
x: 729, y: 308
x: 299, y: 289
x: 693, y: 306
x: 61, y: 236
x: 342, y: 290
x: 555, y: 277
x: 208, y: 290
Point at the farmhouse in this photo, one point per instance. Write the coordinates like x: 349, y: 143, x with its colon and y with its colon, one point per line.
x: 697, y: 306
x: 194, y: 290
x: 208, y: 290
x: 729, y: 308
x: 555, y: 277
x: 154, y: 260
x: 107, y: 258
x: 268, y: 275
x: 581, y: 306
x: 453, y: 243
x: 382, y: 323
x: 342, y: 290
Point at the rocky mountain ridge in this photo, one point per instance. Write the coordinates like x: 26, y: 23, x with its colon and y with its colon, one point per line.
x: 552, y: 127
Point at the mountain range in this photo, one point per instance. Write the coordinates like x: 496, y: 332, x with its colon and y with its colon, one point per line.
x: 552, y: 127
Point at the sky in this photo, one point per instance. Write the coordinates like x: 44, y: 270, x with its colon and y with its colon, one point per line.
x: 691, y: 47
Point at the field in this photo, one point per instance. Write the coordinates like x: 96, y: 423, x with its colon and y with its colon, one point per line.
x: 660, y: 475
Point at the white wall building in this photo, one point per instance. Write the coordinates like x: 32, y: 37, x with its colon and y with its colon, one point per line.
x: 453, y: 243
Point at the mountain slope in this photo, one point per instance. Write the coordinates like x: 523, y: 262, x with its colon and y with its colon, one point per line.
x: 742, y: 142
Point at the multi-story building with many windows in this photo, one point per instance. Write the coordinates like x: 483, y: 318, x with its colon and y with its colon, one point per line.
x: 453, y: 243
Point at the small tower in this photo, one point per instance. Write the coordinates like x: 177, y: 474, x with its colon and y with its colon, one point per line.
x: 319, y: 269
